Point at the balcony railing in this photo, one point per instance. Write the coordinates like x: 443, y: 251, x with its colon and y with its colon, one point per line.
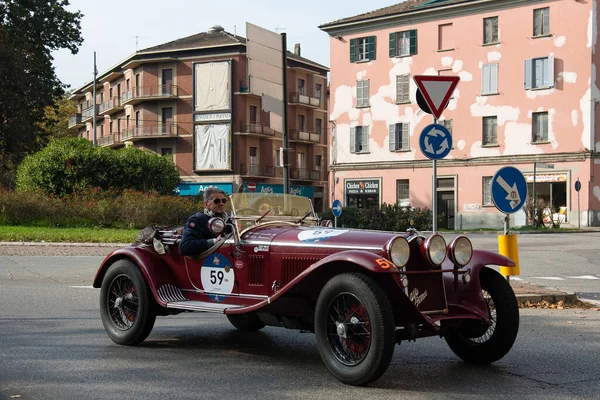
x: 305, y: 135
x: 88, y: 113
x: 257, y: 170
x: 150, y: 131
x: 142, y: 93
x: 305, y: 99
x: 305, y: 174
x: 113, y: 139
x: 110, y: 106
x: 74, y: 121
x: 252, y: 127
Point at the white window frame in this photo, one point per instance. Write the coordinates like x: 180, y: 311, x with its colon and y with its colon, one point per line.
x: 486, y: 192
x: 490, y: 138
x: 362, y: 93
x: 539, y: 130
x: 362, y: 49
x: 359, y: 139
x: 543, y: 29
x: 402, y: 89
x: 399, y: 136
x: 490, y: 30
x: 489, y: 79
x: 536, y: 67
x: 403, y: 185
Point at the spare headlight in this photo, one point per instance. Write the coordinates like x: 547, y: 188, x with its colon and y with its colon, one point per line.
x: 216, y: 225
x: 460, y: 251
x: 399, y: 251
x: 158, y: 246
x: 435, y: 249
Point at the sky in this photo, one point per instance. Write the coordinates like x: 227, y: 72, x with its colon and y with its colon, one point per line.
x: 112, y: 27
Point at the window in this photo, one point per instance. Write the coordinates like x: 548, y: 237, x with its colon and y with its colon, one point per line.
x: 445, y: 38
x: 487, y: 190
x: 539, y: 72
x: 300, y: 86
x: 403, y: 43
x: 101, y: 98
x: 101, y: 130
x: 318, y: 90
x: 540, y: 127
x: 301, y: 160
x: 118, y: 125
x: 278, y: 158
x: 166, y: 151
x: 399, y: 137
x: 402, y: 192
x: 359, y: 139
x: 362, y: 93
x: 110, y: 93
x: 318, y: 161
x: 137, y: 118
x: 489, y: 130
x: 402, y: 89
x: 319, y: 126
x: 110, y: 127
x: 253, y: 156
x: 541, y: 21
x: 253, y: 114
x: 362, y: 49
x: 490, y: 30
x: 301, y: 120
x: 447, y: 123
x: 489, y: 79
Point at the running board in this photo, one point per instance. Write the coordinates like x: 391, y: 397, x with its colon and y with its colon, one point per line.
x: 201, y: 306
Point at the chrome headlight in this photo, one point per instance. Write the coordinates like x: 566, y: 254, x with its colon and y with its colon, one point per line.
x: 158, y: 246
x: 460, y: 251
x: 435, y: 249
x: 216, y: 225
x: 399, y: 251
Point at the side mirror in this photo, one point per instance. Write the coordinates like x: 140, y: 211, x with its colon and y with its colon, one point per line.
x: 216, y: 225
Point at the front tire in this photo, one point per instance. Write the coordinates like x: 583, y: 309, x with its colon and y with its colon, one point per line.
x: 484, y: 345
x: 355, y: 330
x: 127, y: 307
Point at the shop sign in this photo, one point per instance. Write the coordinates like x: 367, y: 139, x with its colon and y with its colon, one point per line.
x: 193, y: 189
x: 363, y: 186
x: 305, y: 191
x: 546, y: 178
x: 212, y: 117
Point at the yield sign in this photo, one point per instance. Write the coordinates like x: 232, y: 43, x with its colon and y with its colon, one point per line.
x: 436, y: 90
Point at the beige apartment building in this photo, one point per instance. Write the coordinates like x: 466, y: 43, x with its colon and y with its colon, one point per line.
x: 192, y: 99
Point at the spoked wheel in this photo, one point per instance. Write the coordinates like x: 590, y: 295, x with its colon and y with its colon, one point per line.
x: 478, y: 343
x: 127, y: 308
x: 354, y: 327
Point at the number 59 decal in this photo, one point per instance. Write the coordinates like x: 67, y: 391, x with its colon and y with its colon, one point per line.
x: 383, y: 263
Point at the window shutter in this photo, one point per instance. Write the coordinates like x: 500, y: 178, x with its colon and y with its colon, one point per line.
x: 550, y: 71
x: 527, y: 77
x: 485, y: 79
x: 366, y: 92
x: 353, y: 140
x: 413, y: 41
x: 392, y: 136
x: 537, y: 23
x: 392, y: 44
x: 372, y: 46
x: 495, y: 30
x: 546, y: 21
x: 352, y: 50
x: 365, y: 139
x: 405, y: 136
x: 359, y: 93
x: 493, y: 78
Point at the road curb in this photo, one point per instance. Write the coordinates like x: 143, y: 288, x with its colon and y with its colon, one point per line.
x: 566, y: 298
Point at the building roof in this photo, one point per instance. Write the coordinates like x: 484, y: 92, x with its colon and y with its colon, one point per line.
x: 199, y: 40
x: 406, y: 7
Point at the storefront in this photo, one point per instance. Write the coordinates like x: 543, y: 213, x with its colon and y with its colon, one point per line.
x: 551, y: 188
x: 194, y: 189
x: 251, y: 187
x: 362, y: 193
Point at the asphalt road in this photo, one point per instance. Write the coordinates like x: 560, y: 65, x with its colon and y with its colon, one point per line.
x: 53, y: 346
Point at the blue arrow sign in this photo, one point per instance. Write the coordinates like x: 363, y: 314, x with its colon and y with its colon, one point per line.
x: 435, y: 141
x: 336, y: 208
x: 509, y: 190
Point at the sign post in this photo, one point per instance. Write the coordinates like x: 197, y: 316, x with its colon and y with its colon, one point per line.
x: 336, y: 208
x: 577, y: 189
x: 435, y: 140
x: 509, y: 192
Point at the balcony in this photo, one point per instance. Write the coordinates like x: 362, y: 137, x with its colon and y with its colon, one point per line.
x: 305, y: 135
x: 151, y: 132
x: 255, y: 129
x: 112, y: 140
x: 304, y: 100
x: 257, y: 170
x: 304, y: 174
x: 146, y: 93
x: 110, y: 107
x: 88, y: 114
x: 75, y: 121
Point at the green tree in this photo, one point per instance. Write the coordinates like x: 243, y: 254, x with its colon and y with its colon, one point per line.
x: 29, y: 31
x: 55, y: 124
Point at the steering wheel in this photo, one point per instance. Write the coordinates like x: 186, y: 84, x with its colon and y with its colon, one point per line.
x: 241, y: 211
x: 208, y: 252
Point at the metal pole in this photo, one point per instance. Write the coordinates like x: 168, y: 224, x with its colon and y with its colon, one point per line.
x: 286, y: 166
x: 94, y: 104
x: 434, y: 191
x: 578, y: 209
x: 506, y: 228
x: 334, y: 221
x: 534, y: 202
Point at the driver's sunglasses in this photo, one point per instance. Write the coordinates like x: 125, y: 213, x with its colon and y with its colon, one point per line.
x: 218, y: 200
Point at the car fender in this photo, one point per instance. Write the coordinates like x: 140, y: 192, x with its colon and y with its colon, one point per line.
x: 149, y: 263
x: 468, y: 295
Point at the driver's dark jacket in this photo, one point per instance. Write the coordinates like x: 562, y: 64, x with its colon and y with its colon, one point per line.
x: 195, y: 234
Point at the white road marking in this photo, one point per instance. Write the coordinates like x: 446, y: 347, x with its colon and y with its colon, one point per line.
x: 514, y: 278
x: 584, y: 277
x: 83, y: 287
x: 550, y: 278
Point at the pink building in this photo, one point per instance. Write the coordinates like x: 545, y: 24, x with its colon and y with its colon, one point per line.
x: 528, y: 94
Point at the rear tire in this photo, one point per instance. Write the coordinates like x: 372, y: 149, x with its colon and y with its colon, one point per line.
x: 127, y: 307
x: 248, y: 322
x: 484, y: 345
x: 355, y: 330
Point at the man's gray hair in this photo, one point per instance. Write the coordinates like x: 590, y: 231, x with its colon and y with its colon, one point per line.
x: 209, y: 191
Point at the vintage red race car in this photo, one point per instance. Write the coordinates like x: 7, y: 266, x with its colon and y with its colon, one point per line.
x: 360, y: 292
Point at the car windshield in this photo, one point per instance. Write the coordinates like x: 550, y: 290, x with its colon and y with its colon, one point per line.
x: 281, y: 206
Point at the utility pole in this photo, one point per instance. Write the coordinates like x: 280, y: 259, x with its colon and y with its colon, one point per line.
x: 286, y: 143
x: 94, y: 103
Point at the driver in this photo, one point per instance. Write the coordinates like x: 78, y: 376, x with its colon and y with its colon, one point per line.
x: 197, y: 238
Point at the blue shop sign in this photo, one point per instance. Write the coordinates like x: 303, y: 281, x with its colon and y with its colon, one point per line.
x: 305, y: 191
x: 193, y: 189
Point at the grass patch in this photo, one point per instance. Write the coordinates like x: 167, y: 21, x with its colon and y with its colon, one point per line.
x: 12, y: 233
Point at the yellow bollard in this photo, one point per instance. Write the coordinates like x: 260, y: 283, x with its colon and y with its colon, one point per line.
x: 508, y: 247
